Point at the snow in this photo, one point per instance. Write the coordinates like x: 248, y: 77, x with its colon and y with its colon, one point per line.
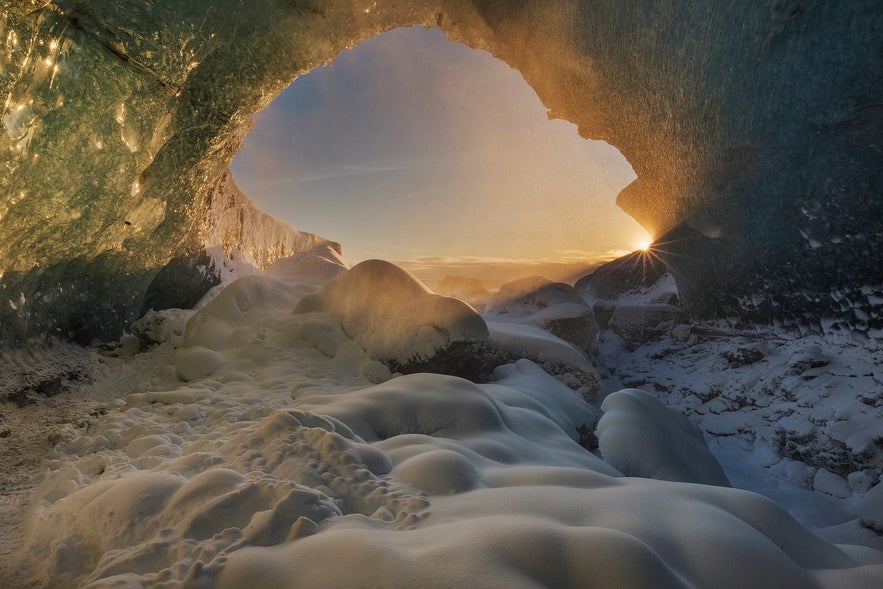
x: 527, y: 295
x: 642, y: 437
x: 392, y: 315
x: 532, y: 342
x: 793, y: 417
x: 266, y: 446
x: 313, y: 267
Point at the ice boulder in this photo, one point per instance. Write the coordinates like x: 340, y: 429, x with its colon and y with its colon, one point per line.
x: 396, y: 319
x: 553, y: 306
x: 642, y: 437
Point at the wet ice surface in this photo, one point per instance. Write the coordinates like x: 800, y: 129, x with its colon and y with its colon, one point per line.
x: 270, y: 449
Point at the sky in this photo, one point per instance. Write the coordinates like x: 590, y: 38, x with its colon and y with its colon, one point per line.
x: 411, y: 147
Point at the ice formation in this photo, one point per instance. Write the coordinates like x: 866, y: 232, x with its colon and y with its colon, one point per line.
x: 259, y: 453
x: 119, y: 122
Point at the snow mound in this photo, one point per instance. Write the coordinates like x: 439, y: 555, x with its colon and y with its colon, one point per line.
x: 552, y: 306
x: 227, y: 320
x: 393, y: 316
x: 642, y: 437
x: 313, y: 267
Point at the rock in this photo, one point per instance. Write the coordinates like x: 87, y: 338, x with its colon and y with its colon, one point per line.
x: 554, y: 306
x: 398, y: 320
x: 636, y: 272
x: 636, y: 324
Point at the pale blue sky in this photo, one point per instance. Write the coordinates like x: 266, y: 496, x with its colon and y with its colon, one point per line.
x: 411, y: 146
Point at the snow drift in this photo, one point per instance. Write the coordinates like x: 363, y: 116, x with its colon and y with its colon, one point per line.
x: 271, y: 450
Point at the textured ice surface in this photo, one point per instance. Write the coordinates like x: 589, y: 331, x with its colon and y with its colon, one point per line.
x: 119, y: 120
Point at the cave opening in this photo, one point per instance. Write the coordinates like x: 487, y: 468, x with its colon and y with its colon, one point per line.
x: 441, y: 157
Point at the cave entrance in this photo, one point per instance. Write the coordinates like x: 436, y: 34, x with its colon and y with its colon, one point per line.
x: 426, y: 152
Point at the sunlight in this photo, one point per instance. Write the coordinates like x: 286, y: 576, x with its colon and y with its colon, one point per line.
x: 411, y: 147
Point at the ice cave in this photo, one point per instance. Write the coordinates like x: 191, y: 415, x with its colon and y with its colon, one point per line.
x: 194, y: 394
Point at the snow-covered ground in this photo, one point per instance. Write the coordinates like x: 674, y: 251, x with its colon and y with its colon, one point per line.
x: 796, y: 418
x: 261, y: 442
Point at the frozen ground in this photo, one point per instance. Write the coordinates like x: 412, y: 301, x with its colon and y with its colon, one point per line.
x: 796, y: 418
x: 260, y: 444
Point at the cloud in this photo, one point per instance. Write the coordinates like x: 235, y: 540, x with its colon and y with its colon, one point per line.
x: 495, y: 272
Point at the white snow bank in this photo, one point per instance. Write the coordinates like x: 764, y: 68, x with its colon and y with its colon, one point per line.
x: 642, y: 437
x: 628, y: 533
x: 392, y: 315
x: 284, y: 473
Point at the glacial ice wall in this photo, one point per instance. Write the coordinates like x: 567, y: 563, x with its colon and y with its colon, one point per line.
x: 754, y: 128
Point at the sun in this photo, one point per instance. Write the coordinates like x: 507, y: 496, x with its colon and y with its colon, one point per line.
x: 644, y: 244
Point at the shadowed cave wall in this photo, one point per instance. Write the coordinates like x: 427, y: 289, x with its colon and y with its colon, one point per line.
x: 755, y: 131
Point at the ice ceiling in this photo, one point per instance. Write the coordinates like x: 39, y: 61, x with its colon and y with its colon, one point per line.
x: 754, y: 128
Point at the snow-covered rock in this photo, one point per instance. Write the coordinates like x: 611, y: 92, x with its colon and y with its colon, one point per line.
x: 642, y: 437
x: 870, y: 507
x: 640, y: 276
x: 639, y: 323
x: 166, y: 325
x: 552, y: 306
x: 826, y: 481
x: 394, y: 317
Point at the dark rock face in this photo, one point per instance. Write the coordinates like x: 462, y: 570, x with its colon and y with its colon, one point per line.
x: 755, y: 129
x: 636, y: 271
